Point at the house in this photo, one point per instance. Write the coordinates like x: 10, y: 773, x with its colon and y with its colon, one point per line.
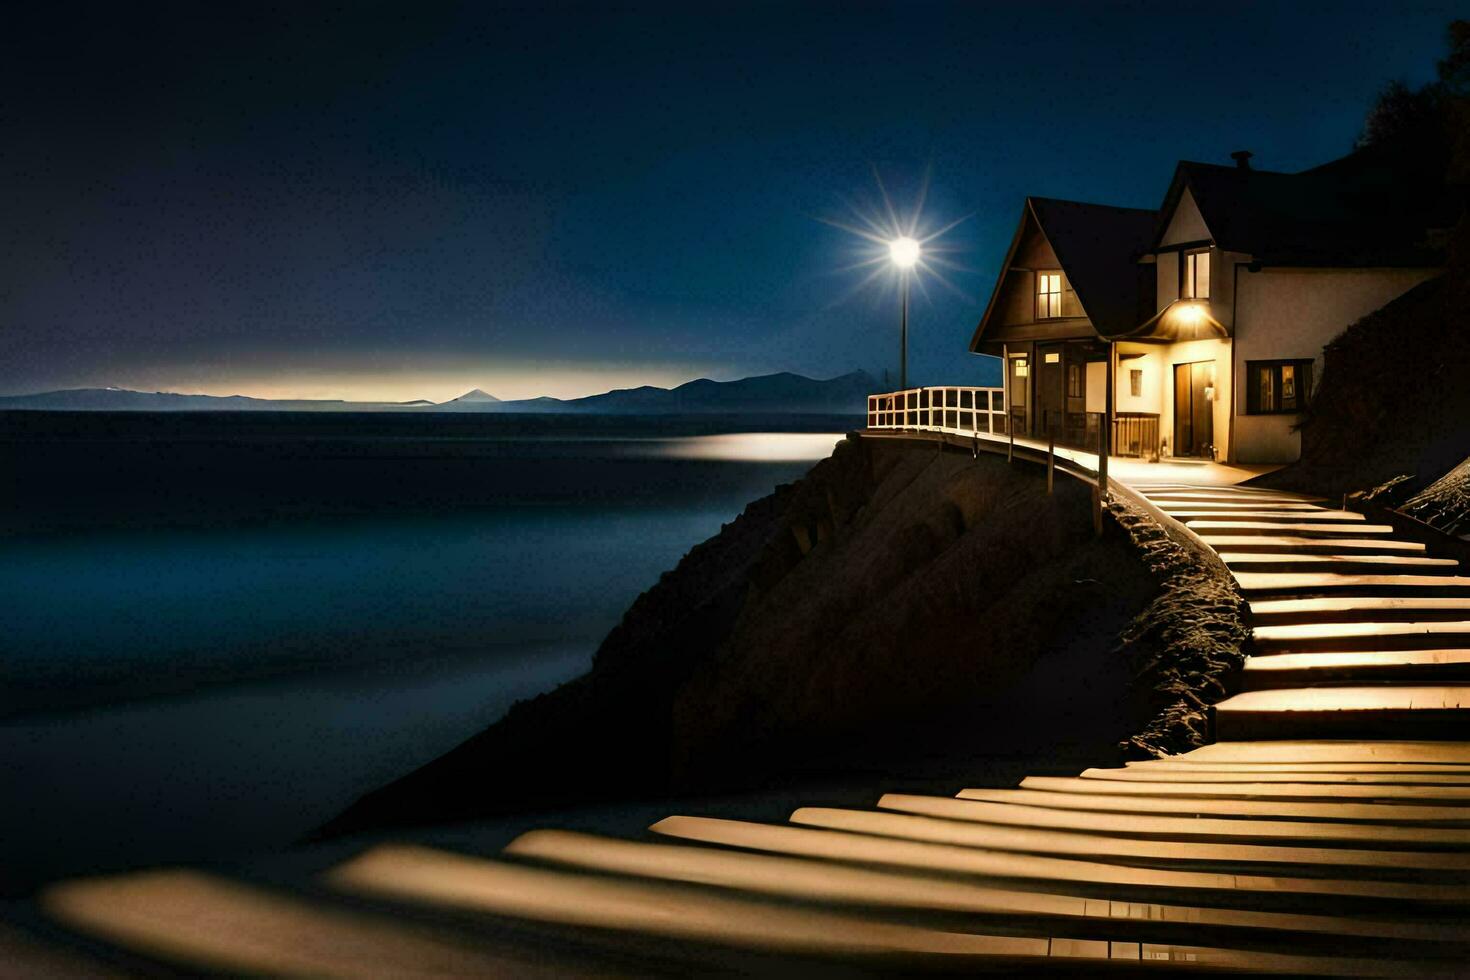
x: 1197, y: 330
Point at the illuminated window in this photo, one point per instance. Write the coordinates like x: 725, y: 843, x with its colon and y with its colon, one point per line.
x: 1276, y: 387
x: 1048, y: 295
x: 1020, y: 366
x: 1055, y: 297
x: 1197, y: 275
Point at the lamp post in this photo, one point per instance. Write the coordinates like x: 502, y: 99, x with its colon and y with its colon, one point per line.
x: 905, y: 254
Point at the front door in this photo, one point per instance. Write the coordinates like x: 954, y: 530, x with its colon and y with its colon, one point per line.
x: 1051, y: 390
x: 1194, y: 410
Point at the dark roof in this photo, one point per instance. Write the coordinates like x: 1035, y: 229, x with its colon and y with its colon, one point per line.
x: 1370, y: 208
x: 1097, y: 246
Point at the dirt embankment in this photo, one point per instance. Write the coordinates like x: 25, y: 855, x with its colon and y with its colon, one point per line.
x: 1186, y: 648
x: 899, y: 610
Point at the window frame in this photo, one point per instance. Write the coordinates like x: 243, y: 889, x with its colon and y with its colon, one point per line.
x: 1052, y: 304
x: 1303, y: 370
x: 1189, y: 273
x: 1076, y: 379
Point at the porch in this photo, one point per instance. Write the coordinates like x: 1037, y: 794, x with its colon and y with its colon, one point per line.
x: 976, y: 417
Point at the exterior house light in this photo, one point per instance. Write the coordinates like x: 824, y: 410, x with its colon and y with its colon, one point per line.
x: 1190, y: 315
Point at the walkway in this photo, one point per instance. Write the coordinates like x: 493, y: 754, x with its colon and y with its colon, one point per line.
x: 1358, y: 633
x: 1289, y: 846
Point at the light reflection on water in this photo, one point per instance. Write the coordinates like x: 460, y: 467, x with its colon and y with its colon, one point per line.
x: 751, y: 447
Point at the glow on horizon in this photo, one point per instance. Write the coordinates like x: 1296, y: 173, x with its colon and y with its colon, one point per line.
x: 507, y: 384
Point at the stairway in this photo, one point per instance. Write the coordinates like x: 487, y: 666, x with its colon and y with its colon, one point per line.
x: 1357, y: 633
x: 1314, y: 838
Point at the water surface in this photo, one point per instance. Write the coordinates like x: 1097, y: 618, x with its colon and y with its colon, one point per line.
x: 219, y: 630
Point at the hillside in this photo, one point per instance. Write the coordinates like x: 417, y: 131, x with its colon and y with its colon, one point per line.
x: 899, y: 609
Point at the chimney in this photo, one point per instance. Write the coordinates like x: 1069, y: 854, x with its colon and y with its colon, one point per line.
x: 1242, y: 158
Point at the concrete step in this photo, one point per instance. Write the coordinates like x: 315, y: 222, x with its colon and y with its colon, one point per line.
x: 1327, y: 751
x: 1335, y: 583
x: 1346, y: 609
x: 672, y: 910
x: 1181, y: 763
x: 1368, y: 712
x: 208, y: 925
x: 802, y: 880
x: 687, y: 896
x: 1331, y: 517
x: 1346, y: 862
x: 1346, y: 637
x: 1083, y: 796
x: 1256, y: 527
x: 1231, y: 507
x: 1335, y: 562
x: 1136, y: 774
x: 1284, y: 544
x: 1228, y: 496
x: 848, y: 846
x: 1170, y: 827
x: 1440, y: 795
x: 1362, y: 666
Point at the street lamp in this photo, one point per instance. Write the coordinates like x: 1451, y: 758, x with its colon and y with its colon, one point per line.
x: 905, y: 254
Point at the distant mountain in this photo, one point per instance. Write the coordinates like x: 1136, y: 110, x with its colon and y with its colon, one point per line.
x: 477, y: 396
x: 124, y: 400
x: 783, y: 394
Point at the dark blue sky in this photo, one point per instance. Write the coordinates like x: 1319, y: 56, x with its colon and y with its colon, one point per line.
x: 409, y: 200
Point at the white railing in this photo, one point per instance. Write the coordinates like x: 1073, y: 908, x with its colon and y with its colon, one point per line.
x: 945, y: 409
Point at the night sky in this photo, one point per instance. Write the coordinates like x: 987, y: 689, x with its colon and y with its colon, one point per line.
x: 378, y: 201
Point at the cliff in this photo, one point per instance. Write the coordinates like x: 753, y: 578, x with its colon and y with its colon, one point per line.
x: 899, y: 609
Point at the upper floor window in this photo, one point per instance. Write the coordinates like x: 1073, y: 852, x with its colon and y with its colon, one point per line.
x: 1197, y: 275
x: 1048, y: 295
x: 1274, y: 387
x: 1055, y: 296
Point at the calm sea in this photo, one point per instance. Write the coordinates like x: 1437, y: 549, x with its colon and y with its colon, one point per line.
x: 217, y: 630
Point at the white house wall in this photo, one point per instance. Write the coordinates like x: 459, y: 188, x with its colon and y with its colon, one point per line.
x: 1186, y: 224
x: 1292, y: 314
x: 1151, y: 401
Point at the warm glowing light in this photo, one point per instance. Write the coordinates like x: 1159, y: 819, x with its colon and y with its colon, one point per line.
x: 904, y: 252
x: 1190, y: 315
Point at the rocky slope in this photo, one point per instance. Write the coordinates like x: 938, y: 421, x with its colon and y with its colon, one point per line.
x: 1187, y: 646
x: 899, y: 609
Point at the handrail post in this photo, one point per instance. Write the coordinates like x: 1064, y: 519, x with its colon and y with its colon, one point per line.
x: 1100, y: 489
x: 1051, y: 460
x: 1011, y: 431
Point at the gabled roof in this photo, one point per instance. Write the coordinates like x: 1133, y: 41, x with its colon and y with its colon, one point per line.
x: 1367, y: 209
x: 1097, y: 246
